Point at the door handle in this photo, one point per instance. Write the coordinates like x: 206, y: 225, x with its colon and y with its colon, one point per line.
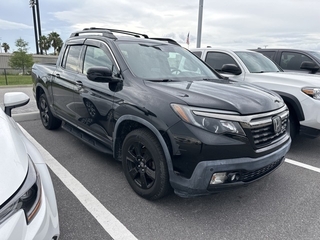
x: 57, y: 75
x: 79, y: 84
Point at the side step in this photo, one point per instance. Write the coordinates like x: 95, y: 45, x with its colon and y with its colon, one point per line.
x: 86, y: 138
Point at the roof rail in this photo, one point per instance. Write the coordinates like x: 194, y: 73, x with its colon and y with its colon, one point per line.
x: 168, y: 40
x: 106, y: 32
x: 124, y: 32
x: 90, y: 31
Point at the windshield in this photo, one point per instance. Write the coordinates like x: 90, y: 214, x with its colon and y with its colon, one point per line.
x: 315, y: 55
x: 257, y: 63
x: 157, y: 61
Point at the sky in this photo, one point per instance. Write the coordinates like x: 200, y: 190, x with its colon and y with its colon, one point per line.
x: 231, y: 24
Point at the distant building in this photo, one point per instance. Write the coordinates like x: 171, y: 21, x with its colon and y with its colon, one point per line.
x: 4, y: 62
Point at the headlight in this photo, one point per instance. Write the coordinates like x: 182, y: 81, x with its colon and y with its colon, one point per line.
x: 200, y: 118
x: 312, y: 92
x: 27, y: 198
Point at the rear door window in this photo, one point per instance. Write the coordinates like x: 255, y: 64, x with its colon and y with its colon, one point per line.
x: 269, y: 54
x: 73, y: 58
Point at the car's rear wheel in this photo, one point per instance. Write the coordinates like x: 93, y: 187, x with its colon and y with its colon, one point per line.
x: 48, y: 120
x: 144, y: 165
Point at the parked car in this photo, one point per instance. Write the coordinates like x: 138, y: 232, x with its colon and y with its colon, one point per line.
x: 301, y: 92
x: 28, y: 208
x: 305, y: 61
x: 162, y: 112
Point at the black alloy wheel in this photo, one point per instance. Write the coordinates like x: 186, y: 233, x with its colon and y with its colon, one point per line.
x: 144, y: 165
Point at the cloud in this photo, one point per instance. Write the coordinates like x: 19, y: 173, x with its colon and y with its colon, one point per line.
x: 230, y: 24
x: 6, y: 25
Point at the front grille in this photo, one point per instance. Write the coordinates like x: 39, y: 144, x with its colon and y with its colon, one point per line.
x: 247, y: 176
x: 266, y: 135
x: 268, y: 128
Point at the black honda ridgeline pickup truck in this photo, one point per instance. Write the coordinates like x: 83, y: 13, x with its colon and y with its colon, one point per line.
x: 172, y: 121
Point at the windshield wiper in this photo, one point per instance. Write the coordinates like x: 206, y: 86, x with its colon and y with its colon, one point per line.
x: 161, y: 80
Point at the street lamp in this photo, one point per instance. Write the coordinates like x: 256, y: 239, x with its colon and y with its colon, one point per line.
x: 199, y: 23
x: 34, y: 4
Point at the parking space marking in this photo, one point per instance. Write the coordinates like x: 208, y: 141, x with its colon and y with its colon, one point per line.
x: 108, y: 221
x: 303, y: 165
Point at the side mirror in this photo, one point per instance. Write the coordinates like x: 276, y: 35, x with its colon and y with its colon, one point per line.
x: 14, y: 99
x: 100, y: 74
x: 231, y: 68
x: 311, y: 66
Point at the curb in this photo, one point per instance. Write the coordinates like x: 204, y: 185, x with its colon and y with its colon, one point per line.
x: 16, y: 86
x: 26, y: 116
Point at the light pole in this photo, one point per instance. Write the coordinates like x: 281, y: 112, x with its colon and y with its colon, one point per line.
x: 199, y: 23
x: 34, y: 4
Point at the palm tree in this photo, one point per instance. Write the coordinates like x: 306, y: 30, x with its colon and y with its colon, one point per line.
x: 55, y: 41
x: 5, y: 46
x: 44, y: 43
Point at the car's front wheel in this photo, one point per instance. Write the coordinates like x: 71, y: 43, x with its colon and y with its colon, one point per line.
x: 48, y: 120
x: 145, y: 165
x: 294, y: 125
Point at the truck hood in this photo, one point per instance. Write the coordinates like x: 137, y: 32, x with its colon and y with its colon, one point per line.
x: 290, y: 78
x: 13, y: 158
x: 223, y: 94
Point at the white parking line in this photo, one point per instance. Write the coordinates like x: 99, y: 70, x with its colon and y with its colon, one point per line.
x: 109, y: 222
x: 303, y: 165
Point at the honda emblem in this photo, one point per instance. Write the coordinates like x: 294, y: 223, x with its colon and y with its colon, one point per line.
x: 277, y: 124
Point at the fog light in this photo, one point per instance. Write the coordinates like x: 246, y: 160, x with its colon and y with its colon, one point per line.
x: 218, y: 178
x: 233, y: 177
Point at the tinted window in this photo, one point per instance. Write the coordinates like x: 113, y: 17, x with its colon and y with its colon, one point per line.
x: 64, y: 59
x: 156, y: 61
x: 268, y: 54
x: 257, y: 63
x: 292, y: 60
x: 95, y: 57
x: 315, y: 54
x: 72, y: 60
x: 198, y: 54
x: 216, y: 60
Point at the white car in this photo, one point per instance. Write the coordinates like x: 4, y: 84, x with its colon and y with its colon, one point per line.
x: 301, y: 92
x: 28, y: 207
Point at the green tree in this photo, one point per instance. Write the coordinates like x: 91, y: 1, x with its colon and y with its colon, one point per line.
x: 55, y: 42
x: 5, y: 46
x: 44, y: 43
x: 22, y: 45
x: 20, y: 59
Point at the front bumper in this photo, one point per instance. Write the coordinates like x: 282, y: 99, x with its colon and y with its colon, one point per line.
x: 251, y: 168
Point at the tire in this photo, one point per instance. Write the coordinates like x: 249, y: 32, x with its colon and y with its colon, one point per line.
x: 48, y: 120
x: 294, y: 126
x: 144, y: 165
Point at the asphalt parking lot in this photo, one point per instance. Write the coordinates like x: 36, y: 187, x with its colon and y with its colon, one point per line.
x: 96, y: 202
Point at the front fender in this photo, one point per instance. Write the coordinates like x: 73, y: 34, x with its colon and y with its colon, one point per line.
x: 153, y: 129
x: 294, y: 103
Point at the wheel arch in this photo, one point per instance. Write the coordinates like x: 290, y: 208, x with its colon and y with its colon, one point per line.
x: 39, y: 91
x: 126, y: 124
x: 293, y: 104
